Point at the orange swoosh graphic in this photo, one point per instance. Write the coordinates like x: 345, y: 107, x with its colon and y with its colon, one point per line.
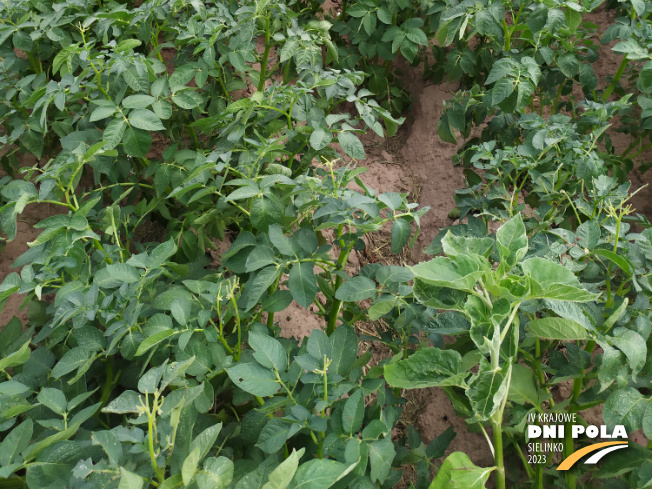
x: 570, y: 460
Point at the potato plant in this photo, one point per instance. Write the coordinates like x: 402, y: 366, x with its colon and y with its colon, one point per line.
x: 187, y: 149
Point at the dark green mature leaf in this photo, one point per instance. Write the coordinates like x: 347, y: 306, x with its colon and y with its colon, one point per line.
x: 400, y: 235
x: 428, y: 367
x: 254, y: 379
x: 353, y: 412
x: 626, y: 407
x: 356, y: 289
x: 344, y: 350
x: 136, y: 142
x: 381, y: 455
x: 437, y: 447
x: 351, y: 145
x: 145, y: 119
x: 15, y: 442
x: 303, y: 284
x: 268, y: 351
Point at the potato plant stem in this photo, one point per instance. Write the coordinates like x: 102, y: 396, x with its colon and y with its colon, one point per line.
x: 337, y: 304
x: 498, y: 447
x: 615, y: 80
x: 263, y: 63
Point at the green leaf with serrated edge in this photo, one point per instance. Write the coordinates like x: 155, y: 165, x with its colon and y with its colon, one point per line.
x: 254, y: 379
x: 557, y: 329
x: 268, y: 351
x: 153, y: 340
x: 351, y: 145
x: 282, y: 475
x: 429, y: 367
x: 15, y: 442
x: 458, y: 471
x: 129, y: 480
x: 356, y: 289
x: 353, y: 412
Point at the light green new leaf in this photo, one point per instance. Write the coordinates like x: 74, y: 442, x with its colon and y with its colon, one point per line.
x: 206, y: 439
x: 557, y: 329
x: 217, y: 474
x: 458, y: 472
x: 189, y: 467
x: 320, y: 474
x: 428, y: 367
x: 461, y: 272
x: 511, y: 241
x: 153, y: 340
x: 486, y: 391
x: 282, y: 475
x: 129, y: 480
x: 523, y: 386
